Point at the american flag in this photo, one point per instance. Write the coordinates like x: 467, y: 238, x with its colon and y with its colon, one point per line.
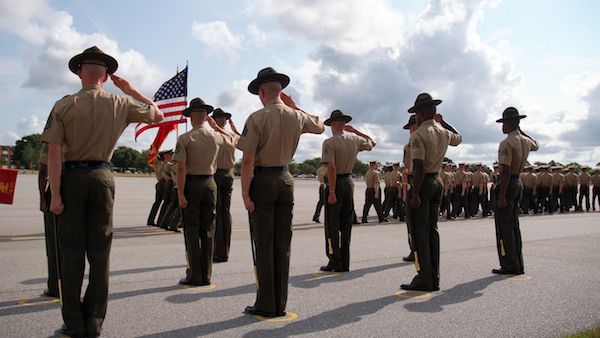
x: 171, y: 99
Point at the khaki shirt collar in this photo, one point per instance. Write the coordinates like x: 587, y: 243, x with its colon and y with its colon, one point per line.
x: 92, y: 87
x: 274, y: 102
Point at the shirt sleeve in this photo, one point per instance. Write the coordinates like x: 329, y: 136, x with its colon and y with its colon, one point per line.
x: 455, y: 138
x: 248, y: 142
x: 364, y: 144
x: 54, y: 132
x: 417, y: 147
x: 505, y: 153
x: 44, y: 154
x: 312, y: 124
x: 533, y: 145
x: 180, y: 154
x: 328, y: 155
x: 138, y: 111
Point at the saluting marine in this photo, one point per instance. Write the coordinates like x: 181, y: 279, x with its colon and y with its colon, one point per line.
x: 428, y: 147
x: 224, y: 178
x: 87, y: 125
x: 269, y: 141
x: 339, y: 152
x: 512, y: 154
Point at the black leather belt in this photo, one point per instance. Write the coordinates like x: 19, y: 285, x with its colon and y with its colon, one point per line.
x: 197, y: 177
x: 431, y: 175
x: 343, y: 175
x: 514, y: 177
x: 85, y: 165
x: 264, y: 170
x: 223, y: 171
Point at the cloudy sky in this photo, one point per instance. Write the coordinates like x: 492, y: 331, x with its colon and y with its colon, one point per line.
x: 367, y: 58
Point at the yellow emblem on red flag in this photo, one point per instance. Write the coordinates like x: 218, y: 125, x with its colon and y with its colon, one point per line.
x: 8, y: 180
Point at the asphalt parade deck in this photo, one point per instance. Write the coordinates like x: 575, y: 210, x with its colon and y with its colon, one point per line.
x: 559, y: 294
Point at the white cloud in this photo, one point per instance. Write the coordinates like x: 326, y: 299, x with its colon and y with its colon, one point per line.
x: 30, y: 125
x: 352, y: 26
x: 37, y: 22
x: 217, y: 39
x: 378, y: 81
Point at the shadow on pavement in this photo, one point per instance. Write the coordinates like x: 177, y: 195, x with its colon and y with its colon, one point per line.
x: 331, y: 319
x: 311, y: 280
x: 458, y: 294
x: 205, y: 329
x: 114, y: 273
x: 345, y: 315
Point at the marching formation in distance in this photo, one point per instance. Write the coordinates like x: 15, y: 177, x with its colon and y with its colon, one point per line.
x: 194, y: 187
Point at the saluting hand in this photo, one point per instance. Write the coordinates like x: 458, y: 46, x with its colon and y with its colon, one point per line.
x: 211, y: 122
x: 288, y: 101
x: 56, y: 205
x: 438, y: 118
x: 121, y: 84
x: 349, y: 128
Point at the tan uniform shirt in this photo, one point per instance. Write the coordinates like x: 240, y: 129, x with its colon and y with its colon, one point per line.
x: 571, y: 179
x: 158, y: 169
x: 477, y: 177
x: 460, y: 178
x: 529, y: 180
x: 596, y: 180
x: 469, y: 178
x: 321, y: 174
x: 486, y: 179
x: 372, y: 178
x: 556, y: 179
x: 91, y: 121
x: 429, y: 143
x: 271, y: 134
x: 397, y: 178
x: 406, y: 160
x: 198, y: 150
x: 167, y: 171
x: 341, y: 150
x: 513, y: 151
x: 226, y: 155
x: 584, y: 179
x: 448, y: 180
x: 544, y: 179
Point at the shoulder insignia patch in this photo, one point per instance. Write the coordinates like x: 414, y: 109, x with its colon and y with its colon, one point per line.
x: 245, y: 131
x: 416, y: 144
x: 49, y: 121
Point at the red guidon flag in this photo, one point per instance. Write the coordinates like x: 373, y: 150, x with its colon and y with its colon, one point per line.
x: 8, y: 180
x: 171, y: 99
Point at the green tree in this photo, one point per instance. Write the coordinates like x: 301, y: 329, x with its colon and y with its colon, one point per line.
x: 360, y: 168
x: 306, y: 168
x: 125, y: 157
x: 27, y: 150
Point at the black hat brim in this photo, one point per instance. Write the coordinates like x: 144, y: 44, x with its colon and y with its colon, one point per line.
x: 111, y: 62
x: 519, y: 117
x: 281, y: 78
x: 416, y: 107
x: 216, y: 114
x: 344, y: 118
x: 188, y: 110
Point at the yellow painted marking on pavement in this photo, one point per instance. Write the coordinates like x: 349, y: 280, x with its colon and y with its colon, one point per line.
x: 326, y: 274
x: 516, y: 277
x: 38, y: 301
x: 288, y: 317
x: 200, y: 288
x: 406, y: 294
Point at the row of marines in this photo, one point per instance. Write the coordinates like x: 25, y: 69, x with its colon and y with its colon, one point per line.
x: 83, y: 128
